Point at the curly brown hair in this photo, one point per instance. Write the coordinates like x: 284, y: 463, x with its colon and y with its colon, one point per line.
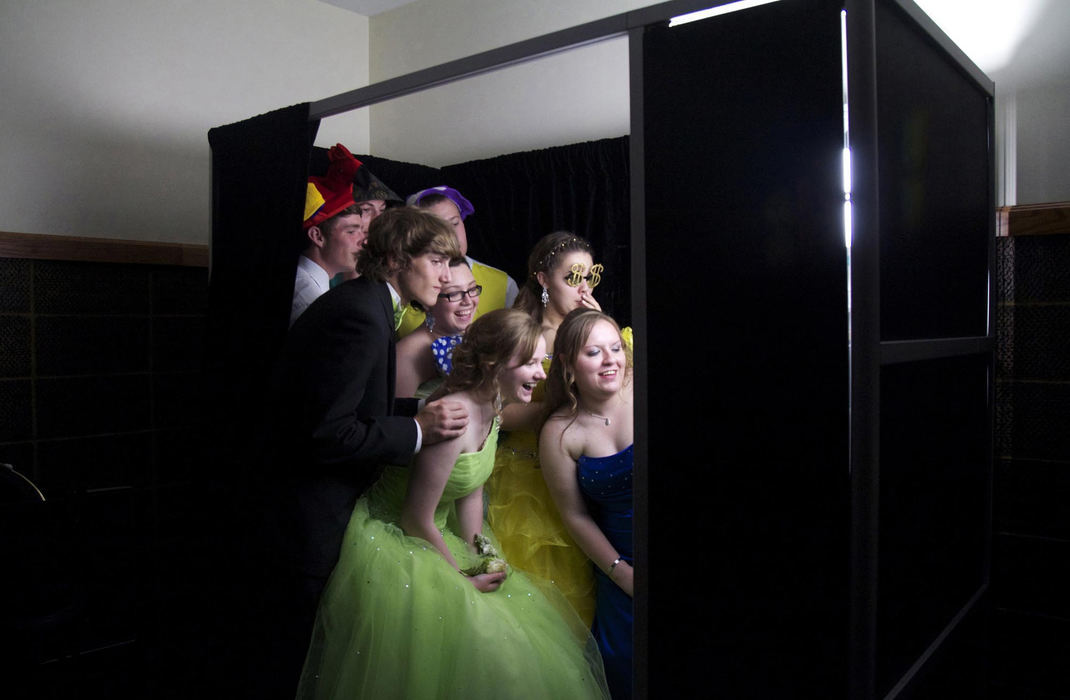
x: 398, y: 235
x: 489, y: 344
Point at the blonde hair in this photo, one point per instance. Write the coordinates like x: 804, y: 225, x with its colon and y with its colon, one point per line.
x: 561, y: 389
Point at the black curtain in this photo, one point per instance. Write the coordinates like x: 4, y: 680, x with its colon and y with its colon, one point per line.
x: 520, y: 197
x: 259, y: 171
x: 259, y: 174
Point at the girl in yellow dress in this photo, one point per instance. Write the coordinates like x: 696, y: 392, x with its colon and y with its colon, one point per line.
x: 561, y: 276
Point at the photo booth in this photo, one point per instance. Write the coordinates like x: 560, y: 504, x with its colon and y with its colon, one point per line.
x: 800, y: 229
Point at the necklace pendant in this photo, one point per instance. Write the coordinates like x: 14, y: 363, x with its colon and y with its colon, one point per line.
x: 598, y: 416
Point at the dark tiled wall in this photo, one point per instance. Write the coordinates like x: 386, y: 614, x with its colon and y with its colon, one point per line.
x: 1031, y: 575
x: 100, y: 385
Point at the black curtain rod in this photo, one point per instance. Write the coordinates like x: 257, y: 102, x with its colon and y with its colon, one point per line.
x: 513, y: 54
x: 571, y: 38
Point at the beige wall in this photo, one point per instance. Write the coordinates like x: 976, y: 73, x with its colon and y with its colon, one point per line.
x: 576, y: 96
x: 1040, y: 153
x: 105, y: 106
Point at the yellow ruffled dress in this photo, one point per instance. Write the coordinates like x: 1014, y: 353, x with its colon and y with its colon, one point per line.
x: 522, y: 514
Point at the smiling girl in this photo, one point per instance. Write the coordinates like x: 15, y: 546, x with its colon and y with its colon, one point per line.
x: 562, y: 275
x: 586, y: 451
x: 421, y: 355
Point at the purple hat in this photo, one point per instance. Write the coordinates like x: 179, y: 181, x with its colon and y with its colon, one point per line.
x: 463, y: 205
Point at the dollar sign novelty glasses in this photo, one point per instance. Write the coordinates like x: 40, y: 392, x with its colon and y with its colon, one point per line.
x: 576, y: 275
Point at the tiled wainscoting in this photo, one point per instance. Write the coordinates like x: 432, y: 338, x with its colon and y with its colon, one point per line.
x: 100, y: 407
x: 1030, y: 618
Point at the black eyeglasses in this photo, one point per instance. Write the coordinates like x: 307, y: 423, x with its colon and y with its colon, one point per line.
x: 458, y: 295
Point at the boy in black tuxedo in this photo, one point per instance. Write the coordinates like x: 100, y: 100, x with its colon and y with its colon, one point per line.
x: 336, y: 421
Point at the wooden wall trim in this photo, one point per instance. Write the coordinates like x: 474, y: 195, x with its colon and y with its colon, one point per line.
x: 1033, y: 219
x: 39, y: 246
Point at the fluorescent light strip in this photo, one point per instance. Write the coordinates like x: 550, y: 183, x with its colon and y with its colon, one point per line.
x: 848, y: 213
x: 848, y: 232
x: 846, y: 173
x: 715, y: 11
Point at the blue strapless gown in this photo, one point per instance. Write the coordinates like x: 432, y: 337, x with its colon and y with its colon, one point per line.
x: 606, y: 483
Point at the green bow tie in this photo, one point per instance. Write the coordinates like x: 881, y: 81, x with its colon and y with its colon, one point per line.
x: 399, y: 313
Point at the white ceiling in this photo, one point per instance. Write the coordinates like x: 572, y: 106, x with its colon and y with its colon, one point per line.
x: 1017, y: 43
x: 368, y: 8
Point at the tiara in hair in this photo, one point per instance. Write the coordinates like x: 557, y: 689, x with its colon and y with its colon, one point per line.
x: 544, y: 264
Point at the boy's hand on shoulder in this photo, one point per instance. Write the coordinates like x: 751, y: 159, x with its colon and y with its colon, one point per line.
x: 444, y: 419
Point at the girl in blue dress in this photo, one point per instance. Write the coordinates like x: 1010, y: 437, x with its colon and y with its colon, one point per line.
x: 586, y: 451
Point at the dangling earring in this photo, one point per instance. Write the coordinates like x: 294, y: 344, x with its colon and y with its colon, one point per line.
x: 545, y: 296
x: 498, y: 402
x: 429, y: 322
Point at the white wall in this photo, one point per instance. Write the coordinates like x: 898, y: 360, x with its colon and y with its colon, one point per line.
x: 1042, y: 146
x: 1033, y: 102
x: 566, y: 98
x: 105, y: 105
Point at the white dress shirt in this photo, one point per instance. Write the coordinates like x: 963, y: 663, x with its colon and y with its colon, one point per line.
x: 311, y: 282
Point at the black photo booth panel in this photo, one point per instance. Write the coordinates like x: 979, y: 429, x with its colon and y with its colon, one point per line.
x: 747, y: 355
x: 838, y: 487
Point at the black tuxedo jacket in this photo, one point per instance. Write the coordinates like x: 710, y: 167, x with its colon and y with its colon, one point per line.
x: 336, y: 423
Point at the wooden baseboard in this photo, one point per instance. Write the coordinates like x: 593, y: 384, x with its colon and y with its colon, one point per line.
x: 38, y: 246
x: 1033, y: 219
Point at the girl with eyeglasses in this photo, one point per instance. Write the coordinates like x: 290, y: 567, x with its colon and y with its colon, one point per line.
x: 424, y: 356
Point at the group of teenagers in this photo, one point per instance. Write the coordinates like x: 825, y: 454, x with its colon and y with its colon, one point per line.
x: 453, y: 451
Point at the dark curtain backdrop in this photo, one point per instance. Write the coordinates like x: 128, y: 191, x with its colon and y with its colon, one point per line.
x: 520, y: 197
x: 259, y: 171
